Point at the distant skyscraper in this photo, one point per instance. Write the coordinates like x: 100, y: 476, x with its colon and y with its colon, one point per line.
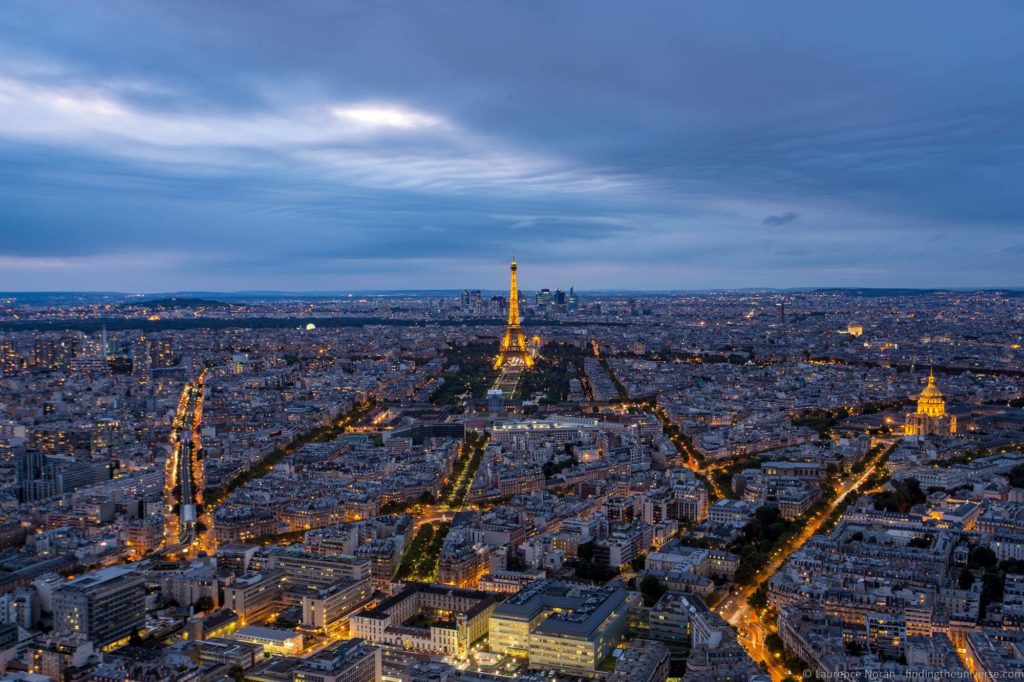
x: 161, y: 354
x: 40, y: 477
x: 572, y: 301
x: 471, y: 301
x: 56, y: 354
x: 31, y: 467
x: 9, y: 360
x: 141, y: 359
x: 780, y: 313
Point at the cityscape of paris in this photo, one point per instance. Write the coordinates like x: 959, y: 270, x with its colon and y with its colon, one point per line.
x: 536, y: 341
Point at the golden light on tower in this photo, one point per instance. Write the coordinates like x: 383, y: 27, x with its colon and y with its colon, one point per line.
x: 513, y: 350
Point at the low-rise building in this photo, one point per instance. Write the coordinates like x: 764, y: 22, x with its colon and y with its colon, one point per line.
x: 559, y: 626
x: 220, y: 623
x: 276, y: 641
x: 327, y: 608
x: 731, y: 512
x: 438, y: 619
x: 643, y: 660
x: 350, y: 661
x: 254, y: 596
x: 993, y: 653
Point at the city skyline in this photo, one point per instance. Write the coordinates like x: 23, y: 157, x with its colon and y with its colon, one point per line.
x: 341, y: 147
x: 259, y: 294
x: 749, y: 486
x: 477, y: 341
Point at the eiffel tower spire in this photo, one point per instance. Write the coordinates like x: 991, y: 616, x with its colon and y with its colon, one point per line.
x: 513, y: 345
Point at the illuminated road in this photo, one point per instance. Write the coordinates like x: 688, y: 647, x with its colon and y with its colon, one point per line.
x: 183, y: 478
x: 432, y: 515
x: 187, y: 508
x: 736, y: 608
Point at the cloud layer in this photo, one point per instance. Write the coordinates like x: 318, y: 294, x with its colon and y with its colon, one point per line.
x: 149, y: 146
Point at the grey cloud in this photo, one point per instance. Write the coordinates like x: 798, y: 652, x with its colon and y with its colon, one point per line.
x: 783, y: 219
x: 581, y: 134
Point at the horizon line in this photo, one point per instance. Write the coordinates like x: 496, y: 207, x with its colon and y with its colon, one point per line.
x: 322, y: 292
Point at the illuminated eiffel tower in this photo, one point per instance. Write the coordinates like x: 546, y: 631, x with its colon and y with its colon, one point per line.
x: 513, y: 352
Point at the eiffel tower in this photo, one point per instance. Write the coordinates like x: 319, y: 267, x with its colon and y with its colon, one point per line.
x: 513, y: 351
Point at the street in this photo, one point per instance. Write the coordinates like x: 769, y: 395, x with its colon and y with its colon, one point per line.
x: 737, y: 611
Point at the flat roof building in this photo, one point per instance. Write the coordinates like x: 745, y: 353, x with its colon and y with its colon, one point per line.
x: 302, y: 568
x: 434, y: 618
x: 643, y: 661
x: 254, y: 595
x: 327, y: 608
x: 273, y: 640
x: 561, y: 626
x: 106, y: 606
x: 353, y: 660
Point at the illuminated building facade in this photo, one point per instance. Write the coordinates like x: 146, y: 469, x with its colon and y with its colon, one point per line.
x: 558, y: 626
x: 326, y: 608
x: 930, y: 419
x: 436, y: 619
x: 56, y: 656
x: 273, y: 640
x: 254, y: 596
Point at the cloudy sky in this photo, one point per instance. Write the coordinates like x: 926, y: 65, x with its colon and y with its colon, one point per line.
x: 157, y: 146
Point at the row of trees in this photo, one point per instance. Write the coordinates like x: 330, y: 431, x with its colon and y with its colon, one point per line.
x: 623, y: 393
x: 465, y: 469
x: 822, y: 421
x: 878, y: 455
x: 470, y: 370
x: 985, y: 452
x: 759, y: 539
x: 903, y: 496
x: 420, y: 560
x: 213, y: 497
x: 683, y: 443
x: 558, y: 364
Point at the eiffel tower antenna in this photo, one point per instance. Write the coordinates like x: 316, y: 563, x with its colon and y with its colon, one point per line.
x: 513, y: 346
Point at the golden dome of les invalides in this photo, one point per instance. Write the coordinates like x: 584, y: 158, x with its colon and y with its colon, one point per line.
x: 930, y: 417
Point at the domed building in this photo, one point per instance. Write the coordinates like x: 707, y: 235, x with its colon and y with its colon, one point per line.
x: 930, y: 419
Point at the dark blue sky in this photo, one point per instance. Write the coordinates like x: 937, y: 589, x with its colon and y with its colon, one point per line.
x: 685, y: 144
